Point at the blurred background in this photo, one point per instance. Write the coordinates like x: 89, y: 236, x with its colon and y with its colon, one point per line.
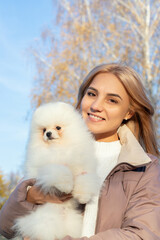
x: 48, y: 46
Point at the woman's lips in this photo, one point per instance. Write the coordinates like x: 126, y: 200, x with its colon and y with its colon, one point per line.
x: 95, y: 118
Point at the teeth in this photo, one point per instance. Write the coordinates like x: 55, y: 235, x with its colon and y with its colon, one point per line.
x: 96, y: 117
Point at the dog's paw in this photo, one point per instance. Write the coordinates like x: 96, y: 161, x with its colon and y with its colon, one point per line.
x: 85, y: 188
x: 65, y: 184
x: 82, y: 197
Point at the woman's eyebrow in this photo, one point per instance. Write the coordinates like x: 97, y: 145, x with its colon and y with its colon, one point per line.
x: 94, y: 89
x: 114, y: 95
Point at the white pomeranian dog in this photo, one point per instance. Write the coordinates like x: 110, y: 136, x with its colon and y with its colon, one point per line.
x: 60, y: 155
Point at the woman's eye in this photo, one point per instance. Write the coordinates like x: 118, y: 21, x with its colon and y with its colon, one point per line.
x: 91, y: 94
x: 112, y: 100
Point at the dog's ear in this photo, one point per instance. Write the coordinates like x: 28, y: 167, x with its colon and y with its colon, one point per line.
x: 37, y: 113
x: 66, y: 106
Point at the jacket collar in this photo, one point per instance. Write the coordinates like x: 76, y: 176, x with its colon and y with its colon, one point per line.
x: 131, y: 151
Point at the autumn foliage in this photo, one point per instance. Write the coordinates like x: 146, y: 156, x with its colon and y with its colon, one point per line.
x: 3, y: 190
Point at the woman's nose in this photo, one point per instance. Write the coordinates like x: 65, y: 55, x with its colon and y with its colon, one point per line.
x: 97, y: 106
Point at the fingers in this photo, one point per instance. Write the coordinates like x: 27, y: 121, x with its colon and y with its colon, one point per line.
x: 21, y: 189
x: 65, y: 197
x: 25, y: 183
x: 36, y: 196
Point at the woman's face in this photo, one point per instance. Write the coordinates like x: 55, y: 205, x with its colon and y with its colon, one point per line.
x: 104, y: 106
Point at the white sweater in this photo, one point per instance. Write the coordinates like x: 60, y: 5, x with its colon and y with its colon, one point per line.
x: 107, y: 155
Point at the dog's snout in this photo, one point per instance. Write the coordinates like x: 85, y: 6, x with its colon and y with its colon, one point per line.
x: 49, y: 134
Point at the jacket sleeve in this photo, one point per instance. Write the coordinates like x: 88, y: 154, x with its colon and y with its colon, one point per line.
x: 142, y: 217
x: 15, y: 207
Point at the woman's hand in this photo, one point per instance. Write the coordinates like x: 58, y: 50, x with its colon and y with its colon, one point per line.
x: 16, y: 206
x: 36, y: 196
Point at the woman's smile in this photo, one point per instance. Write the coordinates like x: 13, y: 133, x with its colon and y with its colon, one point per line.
x: 95, y: 118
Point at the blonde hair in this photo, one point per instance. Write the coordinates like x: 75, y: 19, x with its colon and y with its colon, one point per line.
x: 141, y: 123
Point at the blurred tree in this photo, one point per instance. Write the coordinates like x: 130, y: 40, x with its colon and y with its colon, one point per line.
x: 7, y: 184
x: 13, y: 179
x: 92, y: 32
x: 141, y: 19
x: 4, y: 193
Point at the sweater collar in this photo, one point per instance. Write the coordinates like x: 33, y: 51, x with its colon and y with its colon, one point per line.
x: 131, y: 150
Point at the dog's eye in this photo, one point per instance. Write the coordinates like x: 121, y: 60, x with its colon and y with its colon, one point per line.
x: 44, y: 129
x: 58, y: 127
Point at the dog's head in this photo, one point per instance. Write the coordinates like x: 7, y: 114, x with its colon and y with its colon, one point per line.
x: 56, y: 123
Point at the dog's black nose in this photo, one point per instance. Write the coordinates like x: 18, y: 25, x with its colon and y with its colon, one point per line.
x: 49, y: 134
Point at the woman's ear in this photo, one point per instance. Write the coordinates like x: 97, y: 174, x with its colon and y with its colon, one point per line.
x: 129, y: 114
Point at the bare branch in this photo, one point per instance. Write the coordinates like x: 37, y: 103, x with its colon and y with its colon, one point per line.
x: 141, y: 4
x: 65, y: 4
x: 42, y: 59
x: 155, y: 23
x: 132, y: 25
x: 132, y: 10
x: 88, y: 10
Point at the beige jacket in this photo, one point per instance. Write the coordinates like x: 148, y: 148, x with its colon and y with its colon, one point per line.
x: 129, y: 205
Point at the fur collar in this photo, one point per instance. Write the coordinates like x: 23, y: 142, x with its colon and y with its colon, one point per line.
x: 131, y: 151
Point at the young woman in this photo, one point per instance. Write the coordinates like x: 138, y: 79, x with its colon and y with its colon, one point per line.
x: 115, y: 107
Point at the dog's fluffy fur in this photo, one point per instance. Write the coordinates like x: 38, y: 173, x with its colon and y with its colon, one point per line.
x: 60, y: 156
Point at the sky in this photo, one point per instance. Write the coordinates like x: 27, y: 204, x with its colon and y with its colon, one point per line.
x: 21, y: 23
